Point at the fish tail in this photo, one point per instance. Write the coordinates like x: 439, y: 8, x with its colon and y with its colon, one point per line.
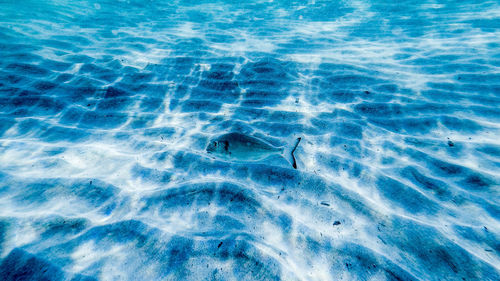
x: 293, y: 150
x: 289, y: 154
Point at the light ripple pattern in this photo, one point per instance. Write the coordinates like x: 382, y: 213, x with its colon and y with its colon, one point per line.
x: 107, y: 107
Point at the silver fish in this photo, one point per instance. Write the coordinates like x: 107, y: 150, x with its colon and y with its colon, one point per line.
x: 237, y: 146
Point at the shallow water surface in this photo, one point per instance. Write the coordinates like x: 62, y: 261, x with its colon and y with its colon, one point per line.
x: 107, y: 107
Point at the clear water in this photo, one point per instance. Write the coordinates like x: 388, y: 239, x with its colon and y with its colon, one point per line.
x: 107, y: 107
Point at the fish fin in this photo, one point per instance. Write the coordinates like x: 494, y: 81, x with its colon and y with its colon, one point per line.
x: 288, y: 154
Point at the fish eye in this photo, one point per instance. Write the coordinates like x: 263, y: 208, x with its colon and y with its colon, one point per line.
x: 215, y: 143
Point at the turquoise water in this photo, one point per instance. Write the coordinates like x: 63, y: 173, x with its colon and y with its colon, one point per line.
x: 107, y: 108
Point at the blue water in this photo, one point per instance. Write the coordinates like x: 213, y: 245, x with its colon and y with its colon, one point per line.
x: 107, y: 107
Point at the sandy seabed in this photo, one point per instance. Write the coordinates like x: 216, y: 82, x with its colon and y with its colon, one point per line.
x: 107, y: 107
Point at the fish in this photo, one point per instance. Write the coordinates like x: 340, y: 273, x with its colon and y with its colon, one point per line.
x: 241, y: 147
